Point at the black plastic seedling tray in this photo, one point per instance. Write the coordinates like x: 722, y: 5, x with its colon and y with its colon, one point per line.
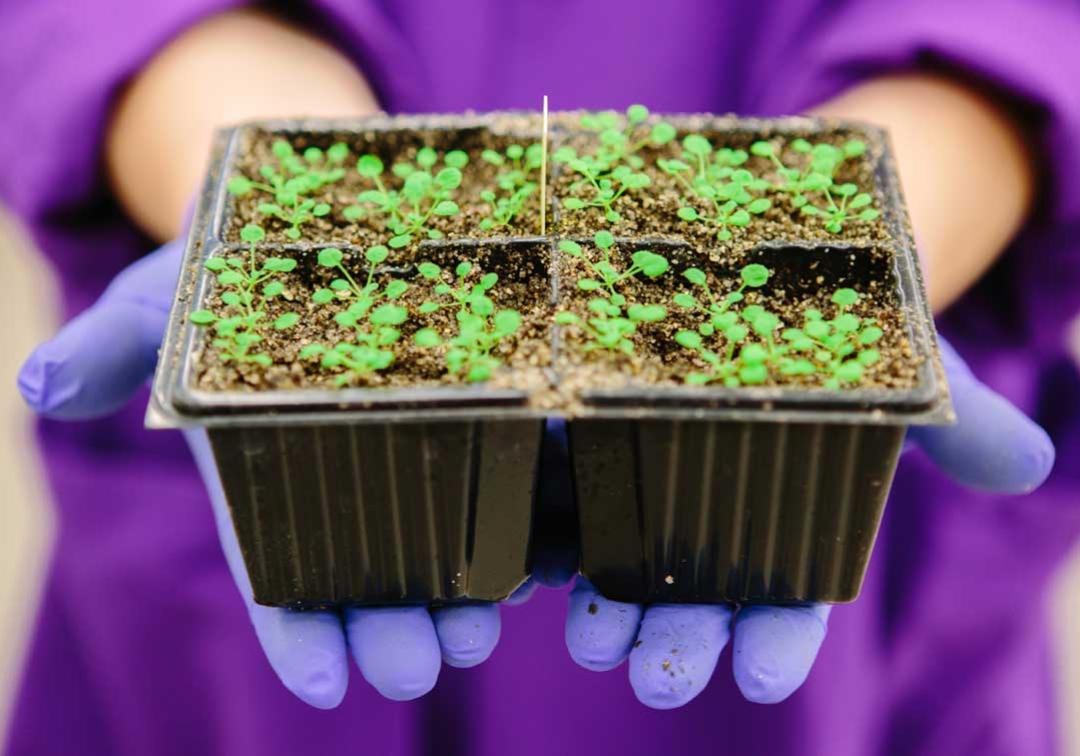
x: 683, y: 493
x: 755, y: 494
x: 354, y: 495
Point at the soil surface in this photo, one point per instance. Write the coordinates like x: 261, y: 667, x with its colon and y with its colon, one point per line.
x: 391, y: 147
x: 801, y: 279
x: 652, y: 212
x: 524, y: 285
x: 807, y: 264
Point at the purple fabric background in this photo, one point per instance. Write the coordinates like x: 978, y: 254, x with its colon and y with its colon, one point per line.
x: 142, y: 645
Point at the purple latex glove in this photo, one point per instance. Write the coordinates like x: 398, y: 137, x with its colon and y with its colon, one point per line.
x: 673, y: 648
x: 399, y: 650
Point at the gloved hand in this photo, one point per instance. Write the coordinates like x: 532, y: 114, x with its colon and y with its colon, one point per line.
x: 399, y: 650
x: 993, y: 447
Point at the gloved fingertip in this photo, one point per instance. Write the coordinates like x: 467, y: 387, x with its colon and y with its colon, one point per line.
x: 599, y: 632
x: 323, y: 687
x: 1034, y: 465
x: 71, y: 377
x: 32, y: 380
x: 676, y: 652
x: 994, y: 446
x: 307, y: 652
x: 41, y: 383
x: 775, y: 648
x: 396, y: 649
x: 467, y: 634
x: 522, y: 594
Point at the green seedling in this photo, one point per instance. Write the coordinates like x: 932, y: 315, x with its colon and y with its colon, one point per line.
x: 607, y: 186
x: 715, y: 178
x: 841, y: 347
x: 614, y: 168
x: 621, y: 145
x: 717, y: 309
x: 480, y: 327
x: 613, y: 320
x: 516, y: 183
x: 373, y: 313
x: 292, y: 182
x: 836, y: 203
x: 506, y: 208
x: 521, y: 165
x: 424, y: 193
x: 842, y: 202
x: 754, y: 343
x: 247, y: 288
x: 737, y: 362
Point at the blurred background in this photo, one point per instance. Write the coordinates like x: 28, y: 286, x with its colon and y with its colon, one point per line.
x: 26, y: 306
x: 27, y: 309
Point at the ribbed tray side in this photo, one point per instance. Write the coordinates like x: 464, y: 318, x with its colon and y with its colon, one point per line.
x: 751, y: 512
x: 501, y: 531
x: 405, y: 512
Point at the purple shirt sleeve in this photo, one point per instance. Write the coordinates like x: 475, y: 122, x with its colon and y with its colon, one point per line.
x: 73, y: 59
x: 1026, y: 51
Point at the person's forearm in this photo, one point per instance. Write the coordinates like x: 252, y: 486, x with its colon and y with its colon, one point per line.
x: 231, y: 67
x: 965, y: 167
